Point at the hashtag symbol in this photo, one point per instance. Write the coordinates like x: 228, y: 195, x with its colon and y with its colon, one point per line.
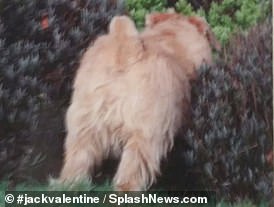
x: 20, y: 199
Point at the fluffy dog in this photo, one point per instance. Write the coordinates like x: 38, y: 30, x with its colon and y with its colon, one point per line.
x: 130, y: 96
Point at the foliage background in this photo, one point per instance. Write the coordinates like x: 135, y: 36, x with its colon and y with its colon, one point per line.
x: 41, y: 43
x: 225, y: 16
x: 228, y: 145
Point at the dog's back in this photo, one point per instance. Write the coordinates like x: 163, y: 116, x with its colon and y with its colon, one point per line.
x: 129, y: 99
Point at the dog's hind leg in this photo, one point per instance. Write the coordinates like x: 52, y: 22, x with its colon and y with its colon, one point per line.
x: 82, y: 155
x: 138, y: 167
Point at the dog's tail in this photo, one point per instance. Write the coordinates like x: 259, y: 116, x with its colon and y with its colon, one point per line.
x: 122, y: 26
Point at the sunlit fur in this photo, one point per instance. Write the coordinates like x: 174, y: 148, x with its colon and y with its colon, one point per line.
x: 130, y: 96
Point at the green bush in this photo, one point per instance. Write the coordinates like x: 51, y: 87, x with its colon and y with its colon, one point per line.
x: 139, y: 8
x: 225, y: 17
x: 184, y: 7
x: 230, y: 16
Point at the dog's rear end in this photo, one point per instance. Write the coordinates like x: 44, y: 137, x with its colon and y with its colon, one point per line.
x: 129, y: 99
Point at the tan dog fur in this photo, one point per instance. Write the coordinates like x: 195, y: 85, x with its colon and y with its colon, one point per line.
x: 130, y: 96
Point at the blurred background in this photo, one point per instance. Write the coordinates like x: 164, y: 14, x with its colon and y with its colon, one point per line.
x: 226, y: 147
